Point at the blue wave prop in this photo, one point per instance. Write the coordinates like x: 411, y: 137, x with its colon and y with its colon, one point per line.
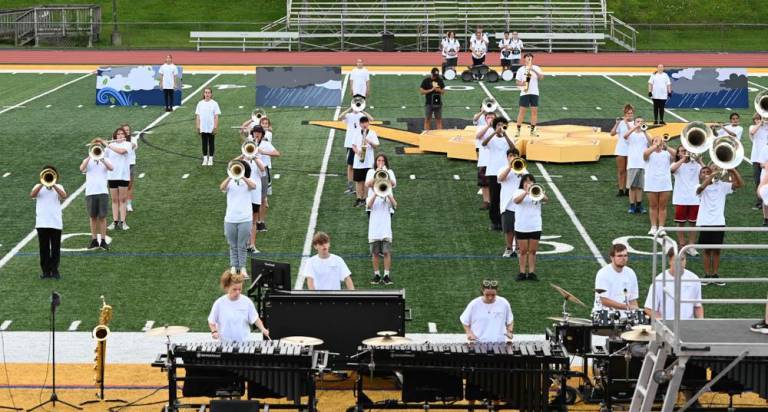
x: 109, y: 95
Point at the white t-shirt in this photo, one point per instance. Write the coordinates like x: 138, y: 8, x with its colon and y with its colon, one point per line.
x: 96, y: 178
x: 659, y: 83
x: 527, y: 214
x: 266, y: 145
x: 482, y: 151
x: 636, y: 145
x: 488, y: 321
x: 48, y: 209
x: 762, y: 157
x: 497, y: 155
x: 238, y: 203
x: 622, y: 146
x: 327, y: 273
x: 513, y: 46
x: 121, y: 163
x: 352, y: 119
x: 132, y: 152
x: 207, y: 110
x: 508, y: 188
x: 533, y: 86
x: 686, y: 182
x: 478, y: 46
x: 712, y: 204
x: 658, y: 174
x: 256, y: 177
x: 233, y: 318
x: 615, y: 283
x: 369, y: 179
x: 169, y: 72
x: 449, y: 47
x: 688, y: 291
x: 759, y: 140
x: 368, y: 162
x: 737, y: 130
x: 380, y: 221
x: 359, y: 78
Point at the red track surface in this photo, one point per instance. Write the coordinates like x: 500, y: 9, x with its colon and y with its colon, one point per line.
x: 371, y: 58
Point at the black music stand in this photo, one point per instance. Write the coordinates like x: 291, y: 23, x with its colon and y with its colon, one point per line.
x: 55, y: 302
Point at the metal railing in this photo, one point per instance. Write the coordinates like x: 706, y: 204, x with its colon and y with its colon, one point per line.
x: 56, y: 24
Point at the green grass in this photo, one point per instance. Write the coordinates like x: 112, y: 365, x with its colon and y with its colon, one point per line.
x: 167, y: 266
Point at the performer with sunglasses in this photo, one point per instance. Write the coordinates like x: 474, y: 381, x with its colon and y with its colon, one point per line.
x: 488, y: 318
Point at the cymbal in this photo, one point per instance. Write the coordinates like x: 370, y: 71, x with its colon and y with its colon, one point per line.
x: 302, y: 340
x: 167, y: 331
x: 567, y: 295
x: 387, y: 340
x: 640, y: 333
x: 599, y: 291
x: 575, y: 321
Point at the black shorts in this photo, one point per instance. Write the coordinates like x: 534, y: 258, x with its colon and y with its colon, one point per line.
x: 529, y: 100
x: 508, y: 221
x: 97, y: 205
x: 350, y: 156
x: 432, y: 109
x: 255, y: 207
x: 711, y: 238
x: 451, y: 62
x: 506, y: 62
x: 482, y: 180
x: 528, y: 235
x: 114, y: 184
x: 478, y: 62
x: 358, y: 175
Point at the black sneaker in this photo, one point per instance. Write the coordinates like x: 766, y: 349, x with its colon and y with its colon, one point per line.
x: 760, y: 327
x: 104, y: 245
x: 56, y: 275
x: 261, y: 226
x: 484, y: 206
x: 520, y: 276
x: 376, y: 279
x: 758, y: 205
x: 514, y: 254
x: 765, y: 222
x: 387, y: 280
x: 716, y: 276
x: 663, y: 123
x: 497, y: 228
x: 532, y: 276
x: 119, y: 225
x: 44, y: 276
x: 620, y: 193
x: 93, y: 245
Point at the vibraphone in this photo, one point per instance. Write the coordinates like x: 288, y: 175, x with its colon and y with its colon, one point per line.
x: 517, y: 374
x: 271, y: 369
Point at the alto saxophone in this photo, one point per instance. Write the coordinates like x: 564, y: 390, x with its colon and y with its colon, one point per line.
x: 527, y: 78
x: 363, y: 146
x: 100, y: 334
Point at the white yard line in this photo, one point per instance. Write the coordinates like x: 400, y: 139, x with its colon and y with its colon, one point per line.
x: 643, y: 97
x: 8, y: 256
x: 318, y: 195
x: 568, y: 210
x: 758, y: 85
x: 45, y: 93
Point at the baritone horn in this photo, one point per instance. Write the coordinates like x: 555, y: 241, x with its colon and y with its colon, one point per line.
x: 235, y: 170
x: 697, y: 137
x: 48, y: 177
x: 490, y: 105
x: 761, y: 103
x: 726, y: 153
x: 358, y: 104
x: 249, y: 149
x: 536, y: 192
x: 518, y: 165
x: 382, y: 185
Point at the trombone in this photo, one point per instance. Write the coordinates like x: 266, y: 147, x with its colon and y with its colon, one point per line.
x: 48, y: 177
x: 536, y: 191
x: 518, y: 165
x: 382, y: 185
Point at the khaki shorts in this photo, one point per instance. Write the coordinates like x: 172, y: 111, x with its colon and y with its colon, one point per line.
x: 97, y: 205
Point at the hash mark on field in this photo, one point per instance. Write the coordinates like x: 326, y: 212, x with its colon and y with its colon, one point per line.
x: 239, y: 107
x: 6, y: 174
x: 594, y: 178
x: 148, y: 325
x: 598, y: 108
x: 696, y: 108
x: 274, y: 107
x: 277, y: 176
x: 413, y: 177
x: 74, y: 325
x: 141, y: 175
x: 432, y: 327
x: 456, y: 177
x: 47, y: 106
x: 565, y: 108
x: 111, y: 106
x: 79, y: 106
x: 467, y: 108
x: 402, y: 107
x: 6, y: 324
x: 372, y: 107
x: 185, y: 175
x: 758, y: 85
x: 144, y: 106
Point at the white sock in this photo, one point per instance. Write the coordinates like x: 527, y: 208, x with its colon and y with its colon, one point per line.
x: 386, y: 273
x: 376, y: 273
x: 98, y: 237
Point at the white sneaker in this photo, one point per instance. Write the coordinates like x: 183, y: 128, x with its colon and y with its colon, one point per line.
x: 125, y: 226
x: 111, y: 226
x: 244, y: 273
x: 507, y: 253
x: 210, y: 160
x: 205, y: 161
x: 232, y: 270
x: 692, y: 252
x: 129, y: 207
x: 652, y: 231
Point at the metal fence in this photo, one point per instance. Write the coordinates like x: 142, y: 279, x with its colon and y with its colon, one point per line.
x: 715, y: 37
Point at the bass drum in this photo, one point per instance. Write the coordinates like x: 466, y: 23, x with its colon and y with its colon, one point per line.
x: 507, y: 75
x: 449, y: 74
x: 492, y: 76
x: 466, y: 75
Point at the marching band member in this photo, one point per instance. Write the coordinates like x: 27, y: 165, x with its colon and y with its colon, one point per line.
x: 618, y: 281
x: 619, y: 129
x: 232, y: 314
x: 684, y: 199
x: 49, y: 224
x: 432, y: 88
x: 732, y: 129
x: 207, y: 115
x: 132, y: 165
x: 382, y: 163
x: 488, y: 318
x: 497, y: 143
x: 360, y: 81
x: 637, y: 141
x: 266, y: 124
x: 712, y: 196
x: 363, y: 147
x: 118, y: 152
x: 517, y: 50
x: 511, y: 48
x: 478, y: 44
x: 380, y: 234
x: 97, y: 196
x: 169, y: 81
x: 238, y: 218
x: 688, y: 291
x: 510, y: 182
x: 266, y: 152
x: 527, y: 78
x: 257, y: 171
x: 659, y: 89
x: 449, y: 48
x: 758, y: 134
x: 527, y: 226
x: 762, y: 192
x: 482, y: 155
x: 352, y: 120
x: 658, y: 181
x: 326, y: 271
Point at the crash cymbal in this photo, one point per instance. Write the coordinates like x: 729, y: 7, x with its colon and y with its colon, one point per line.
x: 599, y: 291
x: 575, y: 321
x: 640, y: 333
x: 567, y: 295
x: 302, y: 340
x: 387, y: 340
x: 167, y: 331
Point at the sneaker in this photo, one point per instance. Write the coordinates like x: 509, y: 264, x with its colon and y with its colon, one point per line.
x: 103, y: 245
x: 520, y: 276
x: 232, y: 270
x: 250, y: 249
x: 514, y: 254
x: 387, y: 280
x: 349, y: 191
x: 205, y: 161
x: 517, y: 133
x: 620, y: 193
x: 631, y: 210
x: 357, y: 203
x: 642, y: 210
x: 534, y: 133
x: 124, y: 226
x: 663, y: 123
x: 376, y: 279
x: 93, y: 245
x: 263, y: 227
x: 532, y: 276
x: 484, y: 206
x: 626, y: 192
x: 210, y: 160
x: 692, y: 252
x: 760, y: 327
x: 507, y: 253
x: 652, y: 231
x: 716, y: 276
x: 129, y: 207
x: 661, y: 232
x: 44, y: 276
x: 244, y: 273
x: 112, y: 225
x: 56, y: 275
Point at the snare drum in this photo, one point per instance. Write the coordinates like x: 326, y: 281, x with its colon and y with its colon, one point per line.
x: 449, y: 74
x: 507, y: 75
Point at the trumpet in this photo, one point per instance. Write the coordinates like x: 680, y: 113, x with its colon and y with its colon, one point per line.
x: 257, y: 115
x: 643, y: 126
x: 382, y: 186
x: 48, y: 177
x: 665, y: 137
x: 358, y: 104
x: 696, y: 137
x: 96, y: 152
x: 518, y: 165
x: 761, y: 104
x: 249, y: 149
x: 490, y: 105
x: 536, y: 192
x: 235, y: 170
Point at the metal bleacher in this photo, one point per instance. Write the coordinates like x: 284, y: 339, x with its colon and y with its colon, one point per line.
x: 60, y: 23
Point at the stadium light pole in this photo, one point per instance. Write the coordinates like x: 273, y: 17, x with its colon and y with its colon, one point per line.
x: 116, y: 39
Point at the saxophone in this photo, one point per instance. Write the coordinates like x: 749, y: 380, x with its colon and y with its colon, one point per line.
x: 363, y: 146
x: 100, y: 334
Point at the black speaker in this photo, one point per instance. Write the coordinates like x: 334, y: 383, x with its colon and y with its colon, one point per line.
x: 234, y: 406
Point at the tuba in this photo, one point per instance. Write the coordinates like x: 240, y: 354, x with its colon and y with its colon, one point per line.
x: 382, y: 186
x: 761, y: 103
x: 358, y: 104
x: 249, y: 149
x: 536, y: 192
x: 490, y: 105
x: 100, y: 334
x: 697, y: 137
x: 48, y: 177
x: 235, y: 170
x: 518, y: 165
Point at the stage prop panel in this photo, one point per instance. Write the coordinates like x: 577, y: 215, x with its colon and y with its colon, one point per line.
x: 708, y: 87
x: 132, y: 86
x: 298, y: 86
